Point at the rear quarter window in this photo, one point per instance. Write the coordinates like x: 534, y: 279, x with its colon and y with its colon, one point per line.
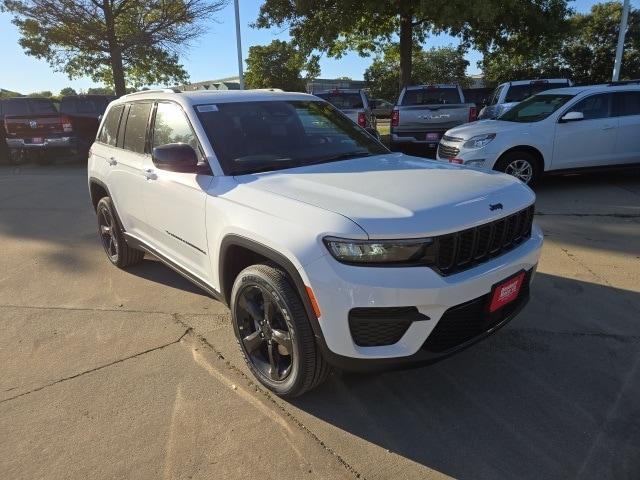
x: 109, y: 132
x: 343, y: 100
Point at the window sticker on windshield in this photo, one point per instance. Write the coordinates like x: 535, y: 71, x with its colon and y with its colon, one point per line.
x: 207, y: 108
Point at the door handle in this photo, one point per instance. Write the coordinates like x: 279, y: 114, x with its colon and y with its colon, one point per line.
x: 112, y: 161
x: 149, y: 174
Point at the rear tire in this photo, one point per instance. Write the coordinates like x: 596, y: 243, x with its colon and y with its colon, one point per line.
x: 112, y: 237
x: 520, y: 164
x: 274, y: 333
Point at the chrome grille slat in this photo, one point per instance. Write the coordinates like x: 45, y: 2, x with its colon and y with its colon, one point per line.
x: 446, y: 151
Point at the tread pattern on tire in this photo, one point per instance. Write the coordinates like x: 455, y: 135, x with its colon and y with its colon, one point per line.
x: 127, y: 256
x: 315, y: 368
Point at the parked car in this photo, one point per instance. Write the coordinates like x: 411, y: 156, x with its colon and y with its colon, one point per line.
x: 85, y: 112
x: 36, y: 129
x: 381, y: 108
x: 281, y: 207
x: 508, y: 95
x: 555, y: 131
x: 354, y: 103
x: 425, y: 112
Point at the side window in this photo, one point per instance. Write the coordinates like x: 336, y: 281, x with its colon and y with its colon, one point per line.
x: 135, y: 134
x: 595, y: 106
x: 627, y: 103
x: 171, y: 126
x: 109, y: 132
x: 496, y: 96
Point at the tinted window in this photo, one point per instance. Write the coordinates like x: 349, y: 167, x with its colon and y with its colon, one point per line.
x: 342, y: 100
x: 431, y: 96
x: 109, y: 132
x: 627, y: 103
x: 518, y: 93
x: 171, y: 126
x: 535, y: 108
x: 28, y: 106
x: 496, y: 95
x: 136, y: 130
x: 261, y: 136
x: 595, y: 106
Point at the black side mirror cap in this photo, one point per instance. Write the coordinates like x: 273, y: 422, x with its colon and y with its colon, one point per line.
x: 175, y: 157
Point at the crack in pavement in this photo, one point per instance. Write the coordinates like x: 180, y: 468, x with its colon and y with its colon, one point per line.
x: 614, y: 215
x: 251, y: 384
x: 115, y: 362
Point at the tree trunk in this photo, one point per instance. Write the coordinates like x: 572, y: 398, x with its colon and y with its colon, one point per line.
x: 115, y: 51
x: 118, y: 72
x: 406, y: 44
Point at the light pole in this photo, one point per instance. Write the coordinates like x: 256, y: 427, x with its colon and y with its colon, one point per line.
x: 621, y: 34
x: 239, y: 42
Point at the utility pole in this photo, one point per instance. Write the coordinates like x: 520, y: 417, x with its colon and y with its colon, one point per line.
x: 621, y: 35
x: 239, y: 42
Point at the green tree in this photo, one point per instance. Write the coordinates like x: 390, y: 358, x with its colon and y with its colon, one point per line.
x: 584, y: 50
x: 366, y: 26
x: 67, y: 91
x: 44, y: 93
x: 100, y: 91
x: 280, y: 65
x: 115, y: 42
x: 589, y: 52
x: 437, y: 65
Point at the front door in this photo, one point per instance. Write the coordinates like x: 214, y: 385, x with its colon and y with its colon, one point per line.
x: 175, y: 202
x: 588, y: 142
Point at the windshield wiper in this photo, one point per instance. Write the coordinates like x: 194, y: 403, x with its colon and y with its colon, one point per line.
x: 342, y: 156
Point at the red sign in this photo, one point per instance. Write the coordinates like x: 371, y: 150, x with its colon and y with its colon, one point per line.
x: 506, y: 292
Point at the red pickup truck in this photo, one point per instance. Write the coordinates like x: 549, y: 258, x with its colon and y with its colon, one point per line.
x: 35, y: 129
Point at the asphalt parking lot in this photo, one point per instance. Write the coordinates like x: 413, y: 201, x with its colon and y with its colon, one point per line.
x: 136, y: 374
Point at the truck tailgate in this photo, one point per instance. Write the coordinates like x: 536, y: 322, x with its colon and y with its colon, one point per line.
x: 438, y: 117
x: 25, y: 126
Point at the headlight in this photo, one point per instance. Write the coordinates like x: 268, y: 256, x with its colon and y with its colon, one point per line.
x: 416, y: 251
x: 479, y: 141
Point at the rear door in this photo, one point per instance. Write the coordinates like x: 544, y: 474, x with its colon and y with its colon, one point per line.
x: 627, y: 110
x: 175, y: 202
x: 126, y: 175
x: 589, y: 142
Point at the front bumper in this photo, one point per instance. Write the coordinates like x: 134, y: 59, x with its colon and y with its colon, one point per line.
x: 479, y: 157
x: 339, y: 288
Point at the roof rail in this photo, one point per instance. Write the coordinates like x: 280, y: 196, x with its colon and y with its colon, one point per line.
x: 624, y: 82
x: 159, y: 90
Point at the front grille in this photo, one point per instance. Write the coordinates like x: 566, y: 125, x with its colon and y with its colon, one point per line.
x: 374, y: 327
x: 466, y: 321
x: 447, y: 151
x: 462, y: 250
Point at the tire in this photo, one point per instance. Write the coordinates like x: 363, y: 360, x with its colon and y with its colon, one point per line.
x: 113, y: 241
x: 520, y: 161
x: 299, y: 365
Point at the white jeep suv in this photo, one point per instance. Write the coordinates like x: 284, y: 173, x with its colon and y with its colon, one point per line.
x: 558, y: 130
x: 329, y: 249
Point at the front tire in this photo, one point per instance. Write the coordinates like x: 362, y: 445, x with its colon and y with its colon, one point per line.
x: 112, y: 238
x: 274, y: 333
x: 520, y: 164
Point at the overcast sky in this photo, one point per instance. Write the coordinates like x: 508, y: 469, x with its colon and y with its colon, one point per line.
x: 212, y: 56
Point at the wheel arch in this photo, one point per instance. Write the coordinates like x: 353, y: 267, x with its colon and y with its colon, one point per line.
x: 97, y: 190
x: 529, y: 149
x: 238, y: 252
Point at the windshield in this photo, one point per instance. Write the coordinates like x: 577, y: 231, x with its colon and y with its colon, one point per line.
x: 343, y: 100
x: 250, y: 137
x: 535, y: 108
x: 431, y: 96
x: 518, y: 93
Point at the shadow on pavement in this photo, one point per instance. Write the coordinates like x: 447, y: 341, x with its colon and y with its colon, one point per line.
x: 550, y: 399
x: 155, y: 271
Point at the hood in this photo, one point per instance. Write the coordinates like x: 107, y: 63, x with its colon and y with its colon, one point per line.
x: 399, y: 196
x: 482, y: 127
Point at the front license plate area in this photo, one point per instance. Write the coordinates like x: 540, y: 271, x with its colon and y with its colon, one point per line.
x: 506, y: 291
x: 37, y: 140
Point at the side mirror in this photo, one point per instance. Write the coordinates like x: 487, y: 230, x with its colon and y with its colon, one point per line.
x: 572, y: 117
x: 175, y: 157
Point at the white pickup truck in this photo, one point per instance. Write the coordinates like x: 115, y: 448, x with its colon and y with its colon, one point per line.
x: 424, y: 112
